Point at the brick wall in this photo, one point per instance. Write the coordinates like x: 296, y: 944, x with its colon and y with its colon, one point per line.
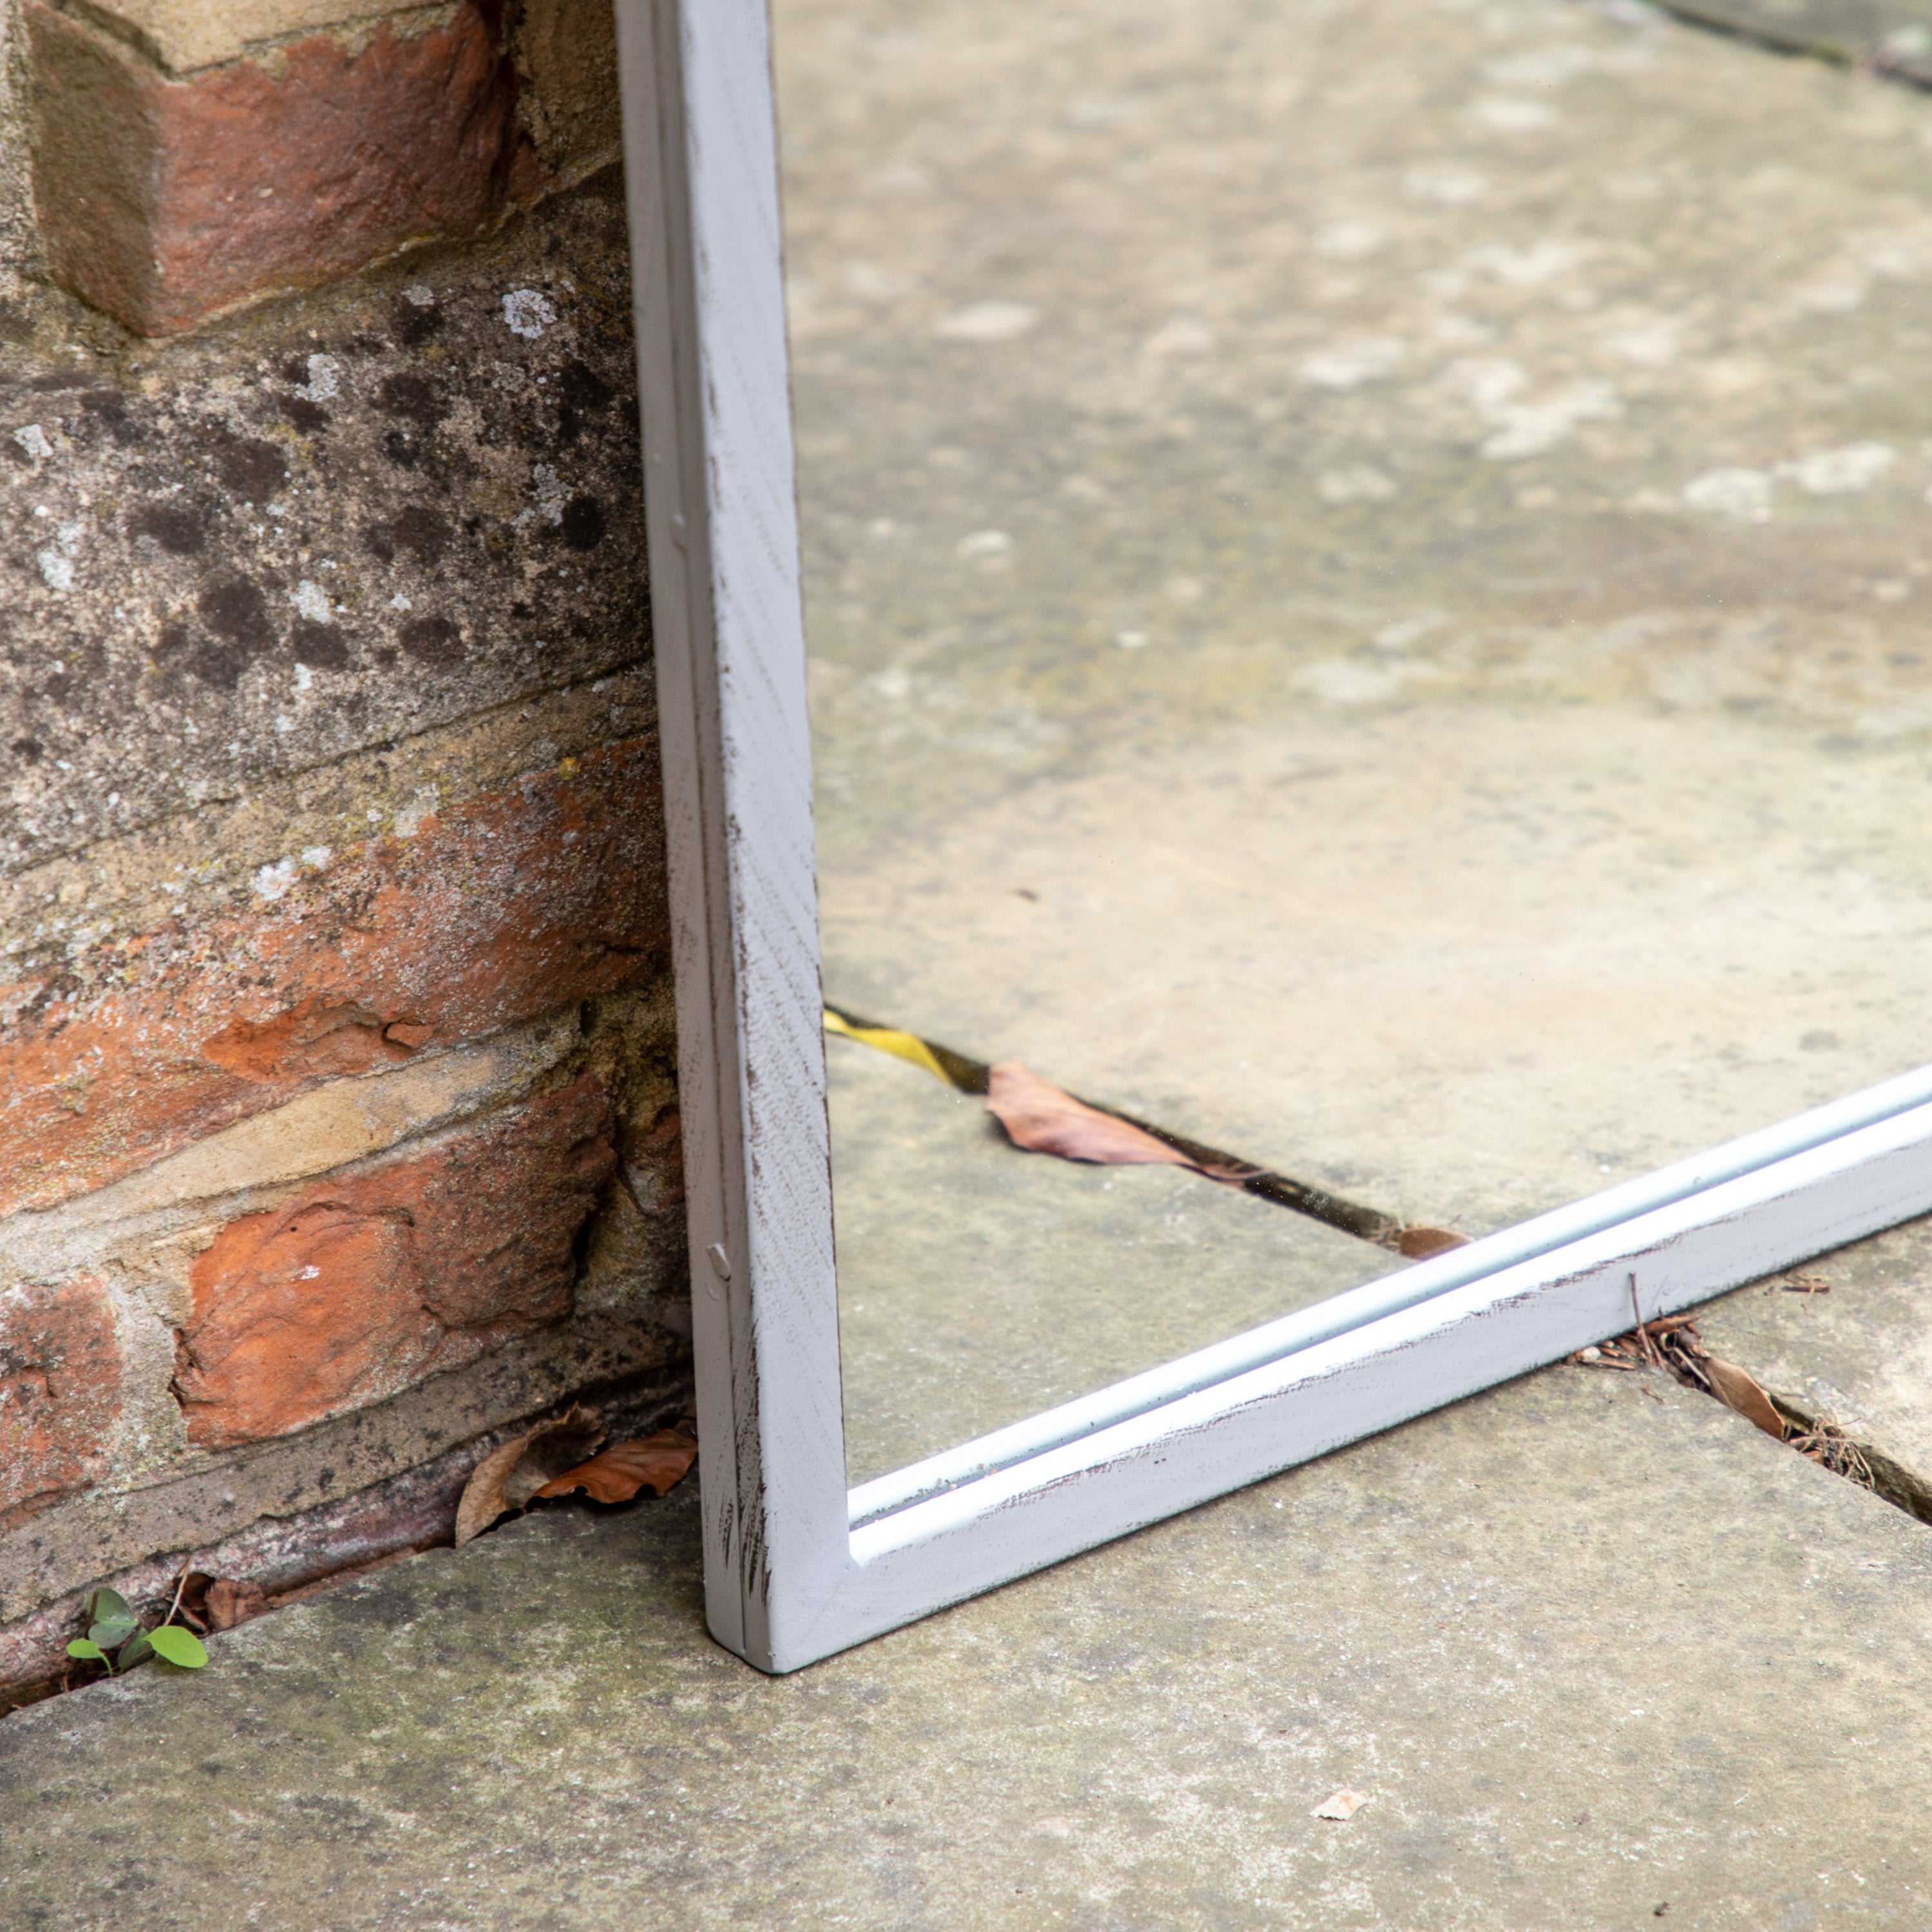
x: 337, y: 1124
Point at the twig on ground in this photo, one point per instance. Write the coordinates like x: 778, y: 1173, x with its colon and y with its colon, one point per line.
x: 174, y: 1608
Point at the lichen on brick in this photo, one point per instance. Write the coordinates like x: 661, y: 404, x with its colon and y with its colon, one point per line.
x: 333, y: 525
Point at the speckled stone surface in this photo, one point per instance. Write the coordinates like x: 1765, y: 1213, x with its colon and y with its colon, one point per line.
x: 345, y: 519
x: 1589, y: 1645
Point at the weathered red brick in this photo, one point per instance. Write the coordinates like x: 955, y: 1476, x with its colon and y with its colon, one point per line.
x: 509, y: 906
x: 369, y: 1282
x: 60, y: 1392
x: 164, y: 199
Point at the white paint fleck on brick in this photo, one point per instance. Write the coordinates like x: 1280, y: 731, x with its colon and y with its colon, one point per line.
x: 409, y: 821
x: 34, y: 440
x: 312, y: 601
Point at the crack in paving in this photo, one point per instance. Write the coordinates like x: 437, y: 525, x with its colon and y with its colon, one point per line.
x: 1671, y: 1344
x: 966, y: 1074
x: 1887, y: 38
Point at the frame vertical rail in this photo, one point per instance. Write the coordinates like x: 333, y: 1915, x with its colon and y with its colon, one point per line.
x: 702, y: 179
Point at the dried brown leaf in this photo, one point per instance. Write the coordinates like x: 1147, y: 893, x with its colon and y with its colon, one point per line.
x: 1736, y: 1390
x: 1040, y: 1118
x: 501, y: 1481
x: 657, y: 1463
x: 1417, y: 1243
x: 230, y: 1603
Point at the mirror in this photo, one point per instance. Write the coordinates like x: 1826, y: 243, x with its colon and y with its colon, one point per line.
x: 1364, y: 584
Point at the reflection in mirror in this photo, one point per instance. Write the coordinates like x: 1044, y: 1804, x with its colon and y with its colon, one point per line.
x: 1364, y: 575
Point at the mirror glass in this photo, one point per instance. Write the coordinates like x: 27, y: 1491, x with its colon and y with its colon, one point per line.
x: 1365, y: 570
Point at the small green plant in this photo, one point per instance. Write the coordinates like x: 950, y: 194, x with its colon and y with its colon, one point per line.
x: 113, y: 1626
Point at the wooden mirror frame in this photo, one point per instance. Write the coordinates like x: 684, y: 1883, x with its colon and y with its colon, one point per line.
x: 796, y: 1565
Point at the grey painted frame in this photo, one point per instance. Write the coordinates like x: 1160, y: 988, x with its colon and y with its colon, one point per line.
x: 795, y: 1567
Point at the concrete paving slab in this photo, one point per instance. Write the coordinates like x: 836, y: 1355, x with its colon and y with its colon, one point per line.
x: 978, y: 1284
x: 1366, y: 569
x: 1338, y: 359
x: 1591, y: 1645
x: 1463, y: 961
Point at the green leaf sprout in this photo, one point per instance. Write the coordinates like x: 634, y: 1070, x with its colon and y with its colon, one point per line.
x: 178, y: 1646
x: 113, y: 1626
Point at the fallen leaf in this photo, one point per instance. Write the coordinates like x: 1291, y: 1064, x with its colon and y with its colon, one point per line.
x: 1419, y: 1242
x: 1342, y: 1807
x: 192, y: 1604
x: 1737, y: 1390
x: 500, y: 1482
x: 1042, y: 1118
x: 230, y: 1603
x: 657, y: 1463
x: 901, y: 1045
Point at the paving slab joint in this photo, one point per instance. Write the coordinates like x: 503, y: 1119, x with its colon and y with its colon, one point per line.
x: 1860, y: 1463
x: 1672, y: 1345
x: 279, y: 1561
